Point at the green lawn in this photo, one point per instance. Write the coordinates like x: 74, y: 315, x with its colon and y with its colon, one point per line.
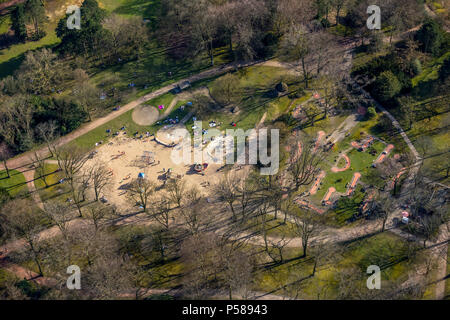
x: 434, y: 131
x: 10, y: 58
x: 15, y: 185
x: 164, y: 275
x: 359, y: 161
x: 255, y: 83
x: 5, y: 276
x: 99, y: 134
x: 384, y: 250
x: 55, y: 190
x: 164, y: 100
x: 145, y: 8
x: 5, y: 23
x: 274, y: 227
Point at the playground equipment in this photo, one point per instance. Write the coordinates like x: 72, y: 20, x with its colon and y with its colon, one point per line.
x: 200, y: 168
x: 148, y: 157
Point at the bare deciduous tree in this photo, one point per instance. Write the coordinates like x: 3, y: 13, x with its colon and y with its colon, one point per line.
x: 38, y: 164
x: 100, y: 177
x: 160, y: 211
x: 226, y: 191
x: 176, y: 189
x: 306, y: 167
x: 25, y: 223
x: 139, y: 191
x: 47, y: 131
x: 306, y: 227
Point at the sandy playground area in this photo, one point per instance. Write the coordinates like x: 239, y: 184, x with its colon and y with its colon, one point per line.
x: 123, y: 156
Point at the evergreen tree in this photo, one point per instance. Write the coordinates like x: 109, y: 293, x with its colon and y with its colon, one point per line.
x: 387, y: 86
x: 91, y: 32
x: 430, y: 37
x: 35, y: 14
x: 18, y: 23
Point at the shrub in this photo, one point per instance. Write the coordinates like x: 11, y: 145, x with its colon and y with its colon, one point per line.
x: 371, y: 113
x: 282, y: 87
x: 325, y: 23
x: 416, y: 66
x: 387, y: 86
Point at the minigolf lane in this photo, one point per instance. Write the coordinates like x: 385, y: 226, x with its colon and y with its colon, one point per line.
x: 384, y: 154
x: 352, y: 186
x: 320, y: 136
x: 347, y: 164
x: 317, y: 182
x: 363, y: 145
x: 309, y: 206
x: 326, y: 199
x: 399, y: 174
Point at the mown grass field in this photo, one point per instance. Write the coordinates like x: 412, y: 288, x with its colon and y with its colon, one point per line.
x: 15, y: 185
x: 274, y: 227
x: 55, y: 191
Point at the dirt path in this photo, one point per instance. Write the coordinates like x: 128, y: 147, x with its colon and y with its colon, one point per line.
x: 441, y: 255
x: 43, y: 235
x: 6, y: 5
x: 348, y: 124
x: 29, y: 177
x: 23, y: 273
